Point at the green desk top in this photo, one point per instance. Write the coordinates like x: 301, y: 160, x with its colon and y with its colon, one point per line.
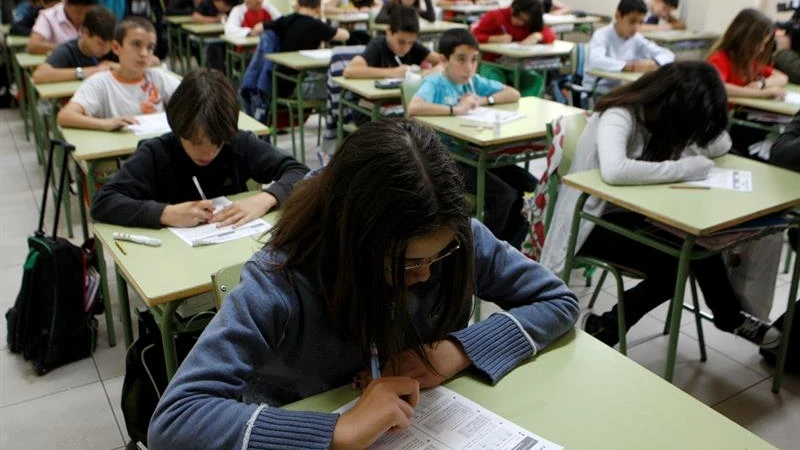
x: 204, y: 28
x: 557, y: 48
x: 29, y: 61
x: 701, y: 212
x: 584, y: 395
x: 772, y: 106
x: 670, y: 36
x: 61, y: 89
x: 297, y: 61
x: 569, y: 19
x: 348, y: 17
x: 366, y: 88
x: 247, y: 41
x: 5, y: 28
x: 174, y: 270
x: 619, y: 76
x: 538, y: 113
x: 94, y: 144
x: 179, y: 20
x: 14, y: 42
x: 425, y: 27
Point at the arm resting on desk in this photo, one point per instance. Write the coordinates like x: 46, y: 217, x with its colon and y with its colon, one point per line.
x: 269, y: 165
x: 615, y: 130
x: 539, y: 307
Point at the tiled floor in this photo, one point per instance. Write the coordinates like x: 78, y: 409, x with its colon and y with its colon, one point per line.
x: 77, y: 406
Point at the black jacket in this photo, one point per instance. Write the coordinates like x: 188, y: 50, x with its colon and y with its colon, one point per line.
x: 160, y: 173
x: 786, y: 150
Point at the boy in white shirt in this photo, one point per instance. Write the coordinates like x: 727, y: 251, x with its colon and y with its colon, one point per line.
x: 618, y: 47
x: 109, y: 100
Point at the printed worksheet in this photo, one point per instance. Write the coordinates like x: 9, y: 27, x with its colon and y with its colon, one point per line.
x: 792, y: 97
x: 554, y: 19
x: 736, y: 180
x: 528, y: 48
x: 490, y: 115
x: 446, y: 420
x: 320, y: 53
x: 210, y: 234
x: 150, y: 124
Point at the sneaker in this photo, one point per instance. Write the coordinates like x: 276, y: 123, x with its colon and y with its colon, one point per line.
x: 593, y: 324
x: 758, y: 332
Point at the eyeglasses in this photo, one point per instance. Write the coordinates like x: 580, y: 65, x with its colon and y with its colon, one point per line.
x: 418, y: 263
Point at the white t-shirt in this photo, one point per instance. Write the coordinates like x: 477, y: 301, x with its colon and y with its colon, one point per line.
x: 103, y: 95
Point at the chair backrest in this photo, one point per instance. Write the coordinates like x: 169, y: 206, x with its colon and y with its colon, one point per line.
x: 578, y: 59
x: 407, y: 91
x: 570, y: 127
x: 224, y: 280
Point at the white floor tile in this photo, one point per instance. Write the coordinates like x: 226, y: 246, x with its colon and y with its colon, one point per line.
x: 775, y: 418
x: 75, y: 419
x: 19, y: 382
x: 711, y: 381
x: 113, y: 389
x: 14, y: 250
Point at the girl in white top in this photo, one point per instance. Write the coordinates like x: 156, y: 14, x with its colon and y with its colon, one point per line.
x: 663, y: 128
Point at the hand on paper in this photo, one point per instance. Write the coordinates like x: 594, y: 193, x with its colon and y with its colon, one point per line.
x: 399, y: 71
x: 115, y: 123
x: 242, y: 211
x: 187, y: 214
x: 386, y: 404
x: 775, y: 92
x: 504, y: 38
x: 467, y: 103
x: 644, y: 65
x: 533, y: 38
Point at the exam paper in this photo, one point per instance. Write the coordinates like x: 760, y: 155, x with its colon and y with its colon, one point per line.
x: 528, y: 48
x: 554, y: 19
x: 446, y: 420
x: 320, y: 53
x: 487, y: 115
x: 736, y: 180
x: 150, y: 124
x: 209, y: 233
x: 792, y: 97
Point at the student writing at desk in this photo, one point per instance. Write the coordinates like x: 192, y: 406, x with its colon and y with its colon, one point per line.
x: 25, y: 15
x: 392, y: 55
x: 155, y: 186
x: 619, y: 47
x: 456, y: 91
x: 109, y: 100
x: 378, y: 249
x: 662, y: 128
x: 58, y: 24
x: 251, y: 14
x: 82, y: 57
x: 659, y: 16
x: 427, y: 13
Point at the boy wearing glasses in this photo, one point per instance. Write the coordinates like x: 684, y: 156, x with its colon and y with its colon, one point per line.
x: 155, y: 187
x: 457, y: 90
x: 109, y: 100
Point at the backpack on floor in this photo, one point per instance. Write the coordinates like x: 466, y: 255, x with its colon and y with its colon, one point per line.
x: 51, y: 322
x: 793, y: 353
x: 146, y: 374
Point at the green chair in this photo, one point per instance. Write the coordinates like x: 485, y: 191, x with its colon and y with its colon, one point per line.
x: 571, y: 127
x: 224, y: 280
x: 531, y: 82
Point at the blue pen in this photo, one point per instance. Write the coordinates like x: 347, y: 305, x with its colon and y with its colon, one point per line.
x: 373, y: 362
x: 503, y: 27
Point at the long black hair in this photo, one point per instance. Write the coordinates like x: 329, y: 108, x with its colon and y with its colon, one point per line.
x: 680, y: 104
x: 349, y: 226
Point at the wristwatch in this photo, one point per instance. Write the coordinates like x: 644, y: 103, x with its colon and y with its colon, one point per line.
x: 79, y: 73
x: 490, y: 100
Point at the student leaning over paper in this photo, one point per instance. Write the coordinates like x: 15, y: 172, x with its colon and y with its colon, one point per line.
x: 378, y: 248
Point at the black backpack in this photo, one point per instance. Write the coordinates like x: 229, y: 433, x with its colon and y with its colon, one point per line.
x: 146, y: 374
x: 51, y: 322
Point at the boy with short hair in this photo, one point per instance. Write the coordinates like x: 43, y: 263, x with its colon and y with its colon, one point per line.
x: 619, y: 47
x: 659, y: 16
x: 392, y: 55
x: 80, y: 58
x: 456, y: 91
x: 58, y: 24
x: 109, y: 100
x: 302, y: 30
x: 155, y: 188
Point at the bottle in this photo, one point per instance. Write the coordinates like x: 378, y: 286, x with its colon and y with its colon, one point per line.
x: 496, y: 125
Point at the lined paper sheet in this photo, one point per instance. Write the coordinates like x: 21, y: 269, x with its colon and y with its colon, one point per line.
x: 320, y: 53
x: 150, y: 124
x: 735, y: 180
x: 210, y: 234
x: 488, y: 115
x: 446, y: 420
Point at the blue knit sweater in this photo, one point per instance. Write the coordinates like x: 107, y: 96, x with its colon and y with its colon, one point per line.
x: 271, y: 344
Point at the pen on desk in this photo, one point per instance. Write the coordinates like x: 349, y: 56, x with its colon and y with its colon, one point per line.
x: 375, y: 369
x: 471, y: 86
x: 145, y: 240
x: 121, y: 248
x: 199, y: 189
x: 696, y: 188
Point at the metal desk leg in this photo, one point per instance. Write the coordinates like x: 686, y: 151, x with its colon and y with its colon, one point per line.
x: 573, y: 237
x: 166, y: 325
x: 23, y: 107
x: 124, y: 308
x: 677, y: 305
x: 517, y: 72
x: 340, y: 121
x: 274, y: 105
x: 101, y: 263
x: 301, y: 118
x: 480, y: 193
x: 787, y: 328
